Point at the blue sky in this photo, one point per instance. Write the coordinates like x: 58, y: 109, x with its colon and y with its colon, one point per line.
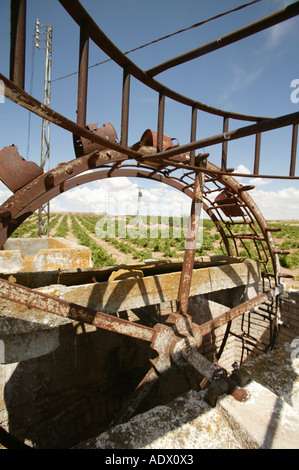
x: 252, y: 76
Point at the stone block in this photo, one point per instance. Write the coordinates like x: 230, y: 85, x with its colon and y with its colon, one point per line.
x: 264, y: 421
x: 42, y: 254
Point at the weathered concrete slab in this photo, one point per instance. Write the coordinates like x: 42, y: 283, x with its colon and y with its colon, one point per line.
x: 265, y: 421
x: 42, y: 254
x: 111, y: 297
x: 16, y: 348
x: 27, y: 333
x: 278, y: 371
x: 186, y: 423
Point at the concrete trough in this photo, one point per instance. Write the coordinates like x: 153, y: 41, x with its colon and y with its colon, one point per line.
x: 42, y: 254
x: 63, y: 381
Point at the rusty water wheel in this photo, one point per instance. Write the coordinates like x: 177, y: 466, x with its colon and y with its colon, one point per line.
x: 231, y: 208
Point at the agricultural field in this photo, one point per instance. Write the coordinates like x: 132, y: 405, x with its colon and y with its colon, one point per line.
x: 121, y: 241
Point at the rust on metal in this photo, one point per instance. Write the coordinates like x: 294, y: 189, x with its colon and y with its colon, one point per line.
x: 60, y: 307
x: 83, y: 74
x: 97, y: 148
x: 233, y: 313
x: 244, y: 32
x: 149, y: 138
x: 84, y: 146
x: 191, y: 242
x: 16, y: 172
x: 18, y: 42
x: 229, y: 205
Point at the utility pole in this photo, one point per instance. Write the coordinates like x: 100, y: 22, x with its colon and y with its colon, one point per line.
x: 43, y: 34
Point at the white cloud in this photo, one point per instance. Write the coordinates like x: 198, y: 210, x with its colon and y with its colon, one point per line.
x: 259, y: 181
x: 253, y: 181
x: 280, y: 205
x: 120, y: 196
x: 242, y: 169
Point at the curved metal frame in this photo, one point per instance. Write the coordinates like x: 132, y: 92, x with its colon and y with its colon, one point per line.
x: 69, y: 175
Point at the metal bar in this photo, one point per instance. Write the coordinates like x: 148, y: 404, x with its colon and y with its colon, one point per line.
x: 20, y: 97
x: 225, y: 206
x: 257, y: 153
x: 125, y: 107
x: 246, y: 237
x: 191, y: 241
x: 193, y: 133
x: 294, y: 150
x: 78, y: 13
x: 83, y: 74
x: 244, y: 32
x: 230, y: 315
x: 229, y: 172
x: 200, y: 363
x: 160, y: 128
x: 224, y: 145
x: 35, y: 299
x: 18, y: 42
x: 270, y: 124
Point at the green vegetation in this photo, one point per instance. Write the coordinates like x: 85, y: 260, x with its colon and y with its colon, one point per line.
x: 165, y: 239
x: 99, y: 256
x: 63, y: 228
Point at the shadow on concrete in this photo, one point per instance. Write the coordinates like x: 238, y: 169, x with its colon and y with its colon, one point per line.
x: 65, y: 397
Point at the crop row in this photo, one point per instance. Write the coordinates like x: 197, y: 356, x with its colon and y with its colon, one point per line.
x: 99, y: 256
x: 169, y: 242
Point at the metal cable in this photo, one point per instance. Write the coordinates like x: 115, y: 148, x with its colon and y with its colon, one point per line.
x: 196, y: 25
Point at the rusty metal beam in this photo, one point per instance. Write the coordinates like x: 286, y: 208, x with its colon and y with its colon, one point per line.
x: 193, y: 133
x: 294, y: 150
x: 265, y: 126
x: 125, y: 107
x: 40, y: 300
x: 79, y: 14
x: 20, y: 97
x: 224, y: 145
x: 83, y: 75
x: 191, y: 242
x: 277, y: 17
x: 257, y: 153
x: 235, y: 312
x: 18, y: 42
x: 160, y: 126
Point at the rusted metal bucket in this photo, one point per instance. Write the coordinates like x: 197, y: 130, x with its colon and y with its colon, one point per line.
x: 228, y: 205
x: 84, y: 146
x: 149, y: 138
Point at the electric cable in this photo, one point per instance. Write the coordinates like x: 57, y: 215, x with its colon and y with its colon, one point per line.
x: 196, y: 25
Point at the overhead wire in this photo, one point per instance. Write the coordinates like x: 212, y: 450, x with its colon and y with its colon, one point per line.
x: 196, y: 25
